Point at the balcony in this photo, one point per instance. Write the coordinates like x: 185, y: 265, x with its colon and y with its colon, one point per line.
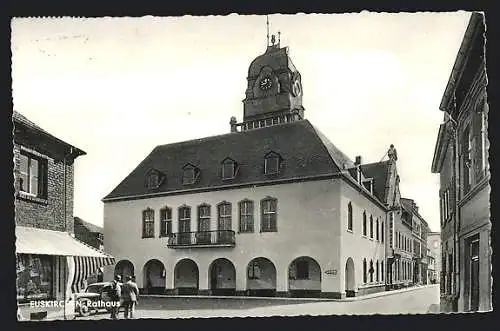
x: 219, y: 238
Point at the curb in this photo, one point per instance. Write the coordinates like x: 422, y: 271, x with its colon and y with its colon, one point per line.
x: 386, y: 293
x: 303, y: 300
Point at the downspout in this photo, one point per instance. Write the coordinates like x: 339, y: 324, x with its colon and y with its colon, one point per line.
x: 456, y: 246
x: 65, y: 224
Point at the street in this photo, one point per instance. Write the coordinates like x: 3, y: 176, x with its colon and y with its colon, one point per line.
x: 419, y: 300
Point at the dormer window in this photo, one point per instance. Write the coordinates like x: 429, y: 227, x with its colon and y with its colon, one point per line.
x: 154, y: 178
x: 189, y: 174
x: 368, y: 184
x: 272, y: 162
x: 229, y: 168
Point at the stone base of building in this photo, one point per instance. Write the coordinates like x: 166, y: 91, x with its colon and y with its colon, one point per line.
x: 305, y: 293
x: 448, y: 304
x: 253, y: 293
x: 223, y: 292
x: 259, y: 293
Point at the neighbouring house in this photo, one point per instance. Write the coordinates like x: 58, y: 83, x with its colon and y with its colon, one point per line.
x: 51, y: 263
x: 461, y: 159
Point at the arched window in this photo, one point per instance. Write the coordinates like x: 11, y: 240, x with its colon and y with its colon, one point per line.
x: 382, y: 232
x: 371, y: 271
x: 165, y: 222
x: 364, y: 271
x: 377, y: 230
x: 349, y: 216
x: 268, y: 221
x: 371, y: 226
x: 382, y: 271
x: 224, y: 216
x: 364, y: 223
x: 246, y: 216
x: 184, y: 225
x: 148, y: 223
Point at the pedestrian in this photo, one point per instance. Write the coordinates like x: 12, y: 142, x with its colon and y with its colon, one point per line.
x: 116, y: 296
x: 130, y: 291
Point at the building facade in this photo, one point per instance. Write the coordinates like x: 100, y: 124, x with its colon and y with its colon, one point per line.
x: 462, y: 153
x: 399, y: 251
x: 271, y: 209
x: 418, y: 241
x: 434, y: 247
x: 48, y: 256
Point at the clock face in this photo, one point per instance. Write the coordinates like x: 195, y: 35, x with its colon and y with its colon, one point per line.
x: 265, y: 83
x: 296, y: 88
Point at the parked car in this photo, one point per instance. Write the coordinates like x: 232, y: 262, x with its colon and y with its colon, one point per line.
x: 94, y: 293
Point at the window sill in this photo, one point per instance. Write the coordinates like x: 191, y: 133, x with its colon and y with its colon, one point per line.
x: 268, y: 231
x: 31, y: 198
x: 350, y: 231
x: 252, y: 231
x: 147, y: 237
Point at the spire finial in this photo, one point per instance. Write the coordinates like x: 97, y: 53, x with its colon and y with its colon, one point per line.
x: 267, y: 18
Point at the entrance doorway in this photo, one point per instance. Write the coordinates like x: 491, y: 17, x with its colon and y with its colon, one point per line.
x: 222, y: 277
x: 349, y: 278
x: 474, y: 275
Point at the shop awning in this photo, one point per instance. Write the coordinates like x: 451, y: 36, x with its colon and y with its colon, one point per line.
x: 84, y: 259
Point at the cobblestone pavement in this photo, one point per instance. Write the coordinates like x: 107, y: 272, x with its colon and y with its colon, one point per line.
x: 419, y: 300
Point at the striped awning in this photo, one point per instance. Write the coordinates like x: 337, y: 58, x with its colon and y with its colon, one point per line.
x: 86, y: 266
x: 83, y: 260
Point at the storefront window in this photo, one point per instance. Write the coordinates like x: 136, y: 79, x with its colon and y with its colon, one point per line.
x: 34, y: 277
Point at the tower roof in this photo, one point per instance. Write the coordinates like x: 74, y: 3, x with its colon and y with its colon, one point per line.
x: 277, y: 58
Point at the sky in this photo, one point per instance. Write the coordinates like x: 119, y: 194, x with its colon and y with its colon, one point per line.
x: 118, y: 87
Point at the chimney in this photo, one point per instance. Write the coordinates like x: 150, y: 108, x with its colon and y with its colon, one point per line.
x: 358, y: 160
x: 232, y: 122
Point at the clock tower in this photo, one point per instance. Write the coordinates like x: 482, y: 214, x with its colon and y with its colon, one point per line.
x: 274, y: 90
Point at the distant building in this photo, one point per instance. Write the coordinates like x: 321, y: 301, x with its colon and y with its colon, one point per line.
x: 399, y: 223
x: 271, y: 208
x: 51, y: 263
x: 431, y: 268
x: 461, y: 159
x: 89, y: 233
x: 418, y: 241
x: 434, y: 247
x: 92, y: 235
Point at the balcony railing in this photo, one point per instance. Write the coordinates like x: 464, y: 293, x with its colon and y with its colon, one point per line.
x: 219, y: 238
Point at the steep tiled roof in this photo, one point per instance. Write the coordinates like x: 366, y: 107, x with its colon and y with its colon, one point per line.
x: 91, y: 227
x: 380, y: 172
x: 22, y: 121
x: 305, y: 152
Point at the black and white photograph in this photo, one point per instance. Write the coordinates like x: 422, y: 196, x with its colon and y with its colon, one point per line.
x: 251, y: 165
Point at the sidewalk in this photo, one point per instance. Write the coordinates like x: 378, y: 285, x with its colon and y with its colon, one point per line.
x: 359, y: 298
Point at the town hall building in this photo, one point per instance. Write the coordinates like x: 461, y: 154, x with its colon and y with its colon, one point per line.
x: 271, y: 208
